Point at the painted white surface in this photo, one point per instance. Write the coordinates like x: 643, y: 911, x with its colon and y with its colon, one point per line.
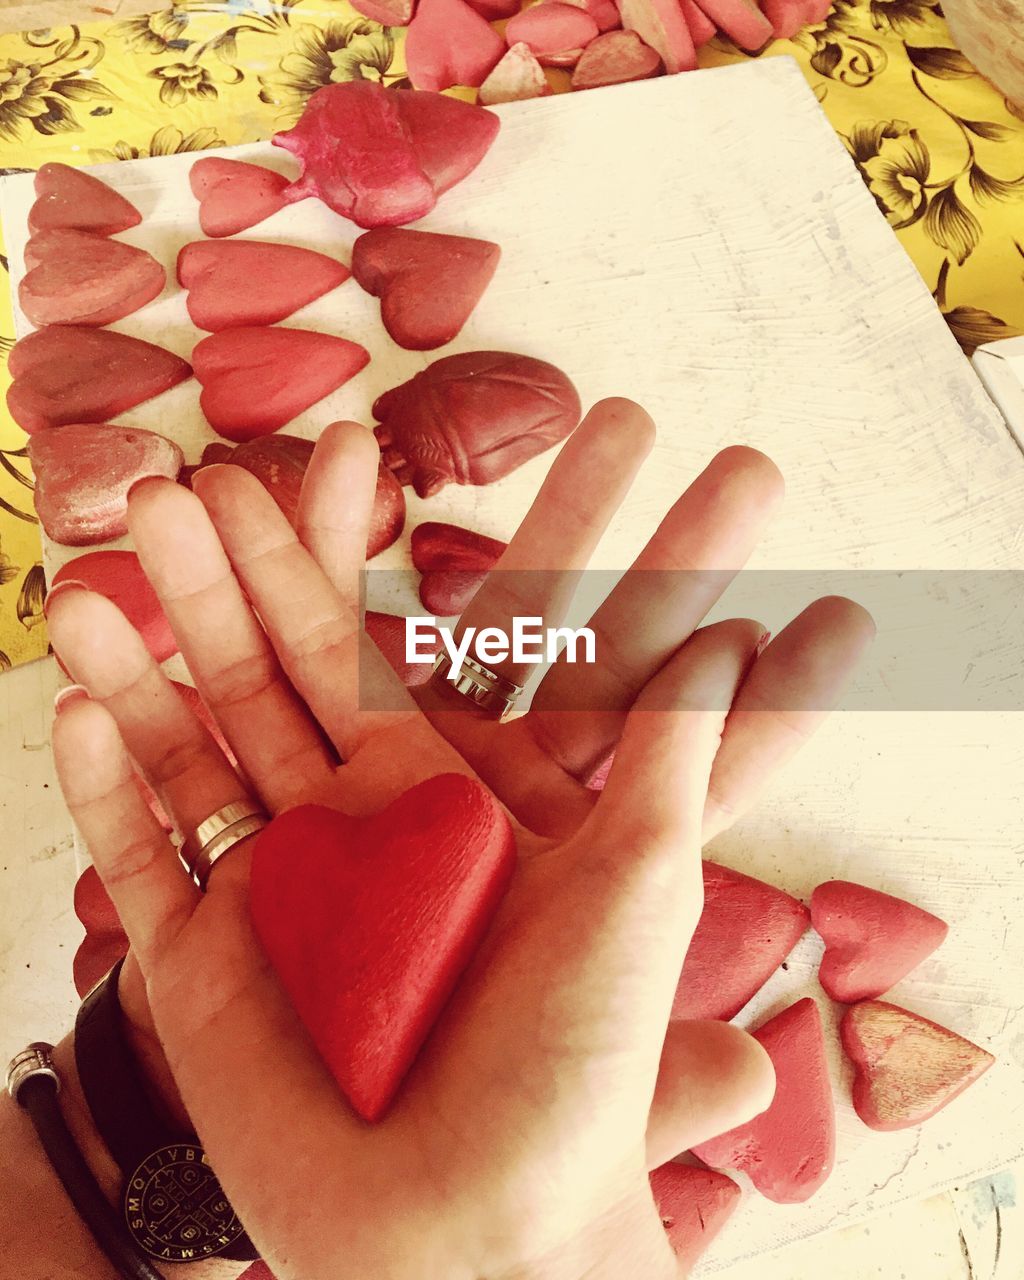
x: 709, y: 248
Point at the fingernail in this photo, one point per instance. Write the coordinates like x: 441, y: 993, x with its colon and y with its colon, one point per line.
x: 136, y: 485
x: 762, y: 644
x: 71, y: 693
x: 65, y: 584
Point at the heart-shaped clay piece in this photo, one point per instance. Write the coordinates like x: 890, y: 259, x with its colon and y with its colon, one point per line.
x: 517, y: 78
x: 428, y: 284
x: 387, y: 631
x: 279, y: 462
x: 119, y: 576
x: 495, y: 10
x: 473, y: 418
x: 83, y: 473
x: 389, y: 13
x: 71, y: 373
x: 450, y: 43
x: 660, y: 24
x: 702, y: 29
x: 69, y: 199
x: 383, y: 156
x: 255, y: 379
x: 369, y: 922
x: 746, y: 930
x: 557, y: 33
x: 695, y: 1204
x: 872, y: 939
x: 741, y: 20
x: 453, y: 563
x: 232, y: 283
x: 74, y: 277
x: 788, y: 1151
x: 907, y: 1068
x: 617, y: 57
x: 604, y: 12
x: 234, y: 195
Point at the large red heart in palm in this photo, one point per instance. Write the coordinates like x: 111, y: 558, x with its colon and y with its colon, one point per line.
x: 369, y: 922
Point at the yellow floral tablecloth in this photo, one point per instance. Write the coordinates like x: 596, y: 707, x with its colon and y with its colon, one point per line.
x: 939, y: 148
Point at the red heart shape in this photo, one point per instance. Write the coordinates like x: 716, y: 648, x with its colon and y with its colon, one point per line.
x: 369, y: 922
x: 68, y: 198
x: 695, y: 1204
x: 907, y: 1068
x: 77, y: 278
x: 119, y: 576
x: 789, y: 1150
x: 473, y: 418
x: 383, y: 156
x: 517, y: 78
x: 70, y: 373
x: 387, y: 631
x: 83, y: 474
x: 872, y: 939
x: 556, y: 33
x: 617, y: 57
x: 249, y: 282
x: 428, y: 284
x: 453, y: 562
x: 746, y: 930
x: 257, y: 379
x: 449, y: 43
x: 234, y: 195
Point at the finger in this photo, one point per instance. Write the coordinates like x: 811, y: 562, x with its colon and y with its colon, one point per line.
x: 136, y: 861
x: 339, y: 672
x: 104, y: 653
x: 538, y: 572
x: 234, y: 666
x: 712, y: 1077
x: 788, y: 692
x: 698, y: 549
x: 336, y: 505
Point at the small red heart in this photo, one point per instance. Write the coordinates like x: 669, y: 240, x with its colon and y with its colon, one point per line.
x: 69, y: 198
x: 383, y: 156
x: 556, y: 33
x: 84, y: 472
x: 449, y: 43
x: 428, y: 284
x: 617, y: 57
x: 255, y: 379
x: 788, y: 1150
x: 872, y: 939
x: 746, y: 930
x: 369, y: 922
x: 695, y: 1204
x: 234, y: 195
x: 387, y: 631
x: 232, y: 283
x: 453, y: 563
x: 71, y: 373
x: 907, y: 1068
x: 119, y: 576
x: 77, y: 278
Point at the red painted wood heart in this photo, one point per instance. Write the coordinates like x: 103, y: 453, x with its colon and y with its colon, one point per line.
x: 872, y: 939
x: 428, y: 284
x: 77, y: 278
x: 232, y: 283
x: 369, y: 922
x: 68, y: 198
x: 256, y: 379
x: 695, y: 1205
x: 453, y: 563
x: 119, y: 576
x: 450, y: 43
x: 234, y: 195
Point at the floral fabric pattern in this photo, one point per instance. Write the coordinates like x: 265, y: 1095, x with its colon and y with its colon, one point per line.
x: 937, y: 146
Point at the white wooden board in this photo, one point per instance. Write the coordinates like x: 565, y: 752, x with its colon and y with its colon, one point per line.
x: 704, y: 244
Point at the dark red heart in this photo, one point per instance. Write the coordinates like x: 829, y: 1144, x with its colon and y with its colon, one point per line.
x: 369, y: 922
x: 788, y: 1150
x: 453, y: 563
x: 450, y: 43
x: 232, y: 283
x: 234, y: 195
x: 70, y: 373
x: 428, y: 284
x: 872, y: 939
x: 695, y: 1204
x: 256, y: 379
x: 746, y: 930
x: 387, y: 631
x: 119, y: 576
x: 69, y: 198
x: 77, y: 278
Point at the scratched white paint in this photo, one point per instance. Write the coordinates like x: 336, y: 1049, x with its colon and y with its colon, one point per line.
x: 704, y: 244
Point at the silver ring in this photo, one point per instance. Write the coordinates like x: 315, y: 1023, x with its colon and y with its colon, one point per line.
x: 217, y: 836
x: 482, y: 686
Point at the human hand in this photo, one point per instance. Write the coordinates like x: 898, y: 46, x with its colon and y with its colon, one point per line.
x: 532, y: 1179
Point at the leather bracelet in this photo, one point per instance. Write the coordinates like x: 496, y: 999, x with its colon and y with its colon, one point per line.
x: 173, y: 1205
x: 33, y: 1083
